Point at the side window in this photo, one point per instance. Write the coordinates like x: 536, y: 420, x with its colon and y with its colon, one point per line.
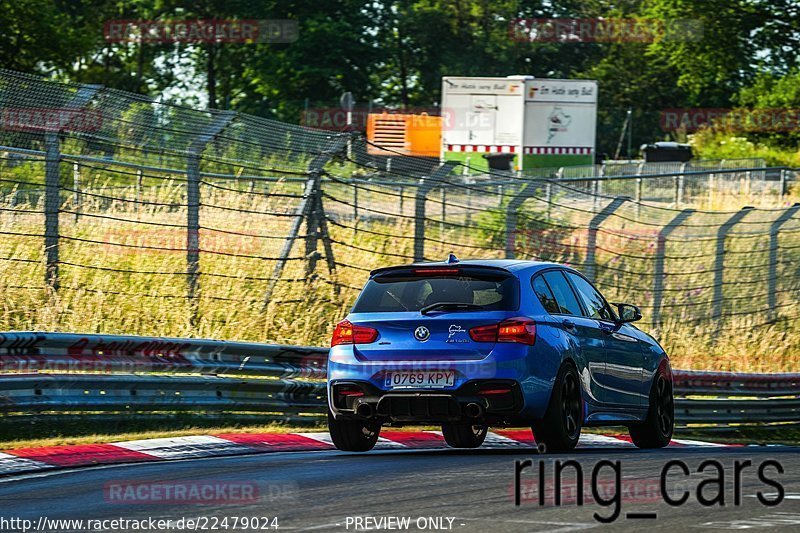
x: 545, y: 295
x: 563, y: 293
x: 593, y: 301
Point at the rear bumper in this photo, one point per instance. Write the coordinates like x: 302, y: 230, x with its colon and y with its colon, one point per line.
x: 467, y: 403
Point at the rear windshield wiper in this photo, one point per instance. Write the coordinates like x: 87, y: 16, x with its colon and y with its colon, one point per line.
x: 449, y: 306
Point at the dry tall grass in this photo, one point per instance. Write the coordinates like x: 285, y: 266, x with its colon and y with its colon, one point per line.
x: 123, y: 270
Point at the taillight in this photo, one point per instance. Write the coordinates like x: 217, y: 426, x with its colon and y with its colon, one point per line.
x: 484, y: 333
x: 521, y: 330
x: 348, y: 333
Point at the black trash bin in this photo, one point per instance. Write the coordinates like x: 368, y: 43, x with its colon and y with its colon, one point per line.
x: 661, y: 152
x: 499, y: 161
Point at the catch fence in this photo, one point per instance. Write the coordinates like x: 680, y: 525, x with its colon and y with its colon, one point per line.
x: 161, y: 220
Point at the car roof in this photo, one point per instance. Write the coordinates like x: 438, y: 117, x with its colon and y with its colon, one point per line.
x: 512, y: 265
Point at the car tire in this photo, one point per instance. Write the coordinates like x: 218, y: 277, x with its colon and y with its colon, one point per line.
x: 560, y: 428
x: 353, y: 435
x: 464, y: 435
x: 656, y: 430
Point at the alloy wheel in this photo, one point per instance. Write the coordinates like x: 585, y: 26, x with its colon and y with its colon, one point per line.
x: 571, y: 404
x: 664, y: 407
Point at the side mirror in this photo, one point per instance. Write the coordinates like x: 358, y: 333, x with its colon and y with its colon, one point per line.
x: 628, y: 313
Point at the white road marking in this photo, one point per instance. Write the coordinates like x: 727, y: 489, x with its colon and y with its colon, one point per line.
x: 184, y: 447
x: 689, y: 442
x: 382, y: 444
x: 11, y: 463
x: 591, y: 439
x: 498, y: 441
x: 320, y: 436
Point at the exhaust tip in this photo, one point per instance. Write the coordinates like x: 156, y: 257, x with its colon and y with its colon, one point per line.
x: 473, y: 410
x: 365, y: 410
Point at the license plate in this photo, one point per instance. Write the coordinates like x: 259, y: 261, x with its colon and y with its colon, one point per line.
x: 434, y: 379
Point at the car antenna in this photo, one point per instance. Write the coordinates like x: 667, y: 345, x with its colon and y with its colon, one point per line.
x: 452, y: 259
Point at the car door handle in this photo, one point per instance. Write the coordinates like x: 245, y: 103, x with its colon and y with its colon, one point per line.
x: 608, y: 330
x: 568, y: 324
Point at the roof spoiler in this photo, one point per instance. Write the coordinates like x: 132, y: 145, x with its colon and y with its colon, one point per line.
x: 436, y: 266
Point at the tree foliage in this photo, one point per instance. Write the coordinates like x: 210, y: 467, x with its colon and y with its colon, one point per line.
x: 394, y: 52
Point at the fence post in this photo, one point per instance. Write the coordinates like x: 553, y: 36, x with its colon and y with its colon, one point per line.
x: 52, y: 185
x: 468, y: 184
x: 590, y: 268
x: 195, y: 152
x: 661, y: 246
x: 426, y: 184
x: 548, y: 197
x: 311, y: 194
x: 52, y: 204
x: 638, y: 197
x: 782, y: 184
x: 402, y: 193
x: 710, y: 189
x: 512, y: 216
x: 748, y: 177
x: 444, y: 214
x: 139, y: 184
x: 679, y: 186
x: 719, y: 263
x: 355, y: 203
x: 76, y: 190
x: 772, y: 278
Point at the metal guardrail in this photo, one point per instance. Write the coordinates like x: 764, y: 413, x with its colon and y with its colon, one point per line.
x: 52, y: 373
x: 728, y: 398
x: 57, y: 373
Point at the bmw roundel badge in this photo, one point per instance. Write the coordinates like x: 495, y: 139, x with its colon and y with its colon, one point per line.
x: 422, y: 333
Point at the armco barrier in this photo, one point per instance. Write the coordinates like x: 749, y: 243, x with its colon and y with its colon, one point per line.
x: 57, y: 373
x: 64, y: 372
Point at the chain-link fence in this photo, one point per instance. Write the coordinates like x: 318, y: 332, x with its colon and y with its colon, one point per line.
x: 120, y: 214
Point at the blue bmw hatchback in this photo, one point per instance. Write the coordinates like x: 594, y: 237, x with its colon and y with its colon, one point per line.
x: 473, y: 344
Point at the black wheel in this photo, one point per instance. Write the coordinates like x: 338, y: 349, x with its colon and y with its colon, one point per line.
x: 464, y: 435
x: 560, y: 428
x: 656, y: 430
x: 353, y: 435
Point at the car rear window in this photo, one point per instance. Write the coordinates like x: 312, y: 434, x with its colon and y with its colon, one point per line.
x: 402, y: 292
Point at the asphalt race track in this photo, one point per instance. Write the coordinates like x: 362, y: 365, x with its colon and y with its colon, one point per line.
x: 318, y: 491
